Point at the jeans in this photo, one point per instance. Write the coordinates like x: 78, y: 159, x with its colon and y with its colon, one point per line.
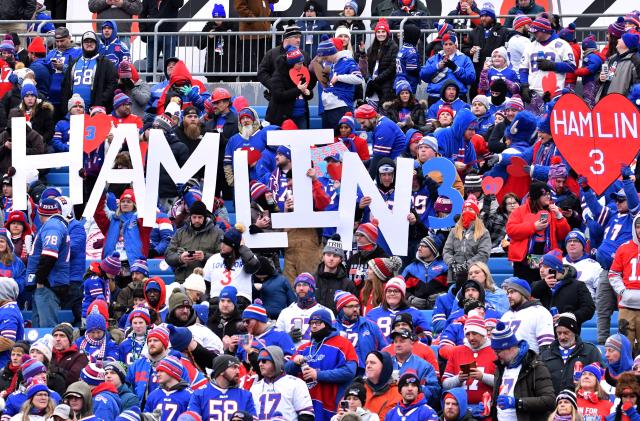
x: 330, y: 118
x: 166, y: 46
x: 301, y: 122
x: 73, y: 302
x: 46, y: 306
x: 606, y: 304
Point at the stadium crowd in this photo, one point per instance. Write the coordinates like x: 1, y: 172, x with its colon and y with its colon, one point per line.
x: 313, y: 331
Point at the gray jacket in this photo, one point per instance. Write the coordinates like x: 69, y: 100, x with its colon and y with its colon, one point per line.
x: 186, y: 238
x: 126, y: 11
x: 467, y: 250
x: 627, y: 74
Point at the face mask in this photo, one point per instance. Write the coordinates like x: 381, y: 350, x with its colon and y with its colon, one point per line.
x: 468, y: 217
x: 335, y: 171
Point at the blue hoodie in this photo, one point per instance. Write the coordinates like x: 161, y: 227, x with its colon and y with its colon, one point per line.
x: 451, y: 142
x: 464, y: 75
x: 112, y: 48
x: 418, y: 410
x: 625, y: 363
x: 460, y: 394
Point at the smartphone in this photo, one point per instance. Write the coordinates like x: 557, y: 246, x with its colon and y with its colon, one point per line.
x: 553, y: 272
x: 297, y: 324
x: 466, y: 368
x: 544, y: 217
x: 243, y: 340
x: 344, y: 405
x: 191, y: 252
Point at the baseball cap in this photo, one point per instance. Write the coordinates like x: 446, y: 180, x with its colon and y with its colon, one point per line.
x: 61, y: 32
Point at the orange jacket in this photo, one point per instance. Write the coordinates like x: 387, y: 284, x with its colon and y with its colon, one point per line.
x: 383, y: 402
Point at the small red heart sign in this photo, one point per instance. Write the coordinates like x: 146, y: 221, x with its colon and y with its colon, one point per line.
x: 300, y: 75
x: 595, y: 142
x: 96, y: 129
x: 550, y: 83
x: 492, y: 185
x: 516, y: 167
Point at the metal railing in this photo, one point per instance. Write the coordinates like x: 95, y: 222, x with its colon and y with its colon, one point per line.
x: 235, y: 55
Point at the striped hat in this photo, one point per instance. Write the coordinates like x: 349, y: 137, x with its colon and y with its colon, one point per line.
x: 172, y: 366
x: 475, y: 324
x: 443, y: 29
x: 342, y: 298
x: 614, y: 342
x: 369, y: 231
x: 366, y: 112
x: 385, y: 268
x: 633, y: 19
x: 617, y: 28
x: 49, y: 207
x: 541, y: 24
x: 120, y: 99
x: 111, y: 265
x: 255, y: 311
x: 515, y: 102
x: 397, y: 283
x: 128, y: 415
x: 595, y: 369
x: 473, y: 182
x: 36, y: 387
x: 294, y: 56
x: 141, y: 312
x: 257, y: 190
x: 307, y: 278
x: 326, y: 48
x: 348, y: 120
x: 189, y: 416
x: 92, y: 375
x: 30, y: 368
x: 502, y: 337
x: 521, y: 20
x: 160, y: 333
x: 140, y: 266
x: 568, y: 395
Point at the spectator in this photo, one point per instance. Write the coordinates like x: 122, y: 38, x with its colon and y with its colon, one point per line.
x: 381, y: 64
x: 379, y: 271
x: 96, y: 87
x: 510, y: 107
x: 253, y: 46
x: 330, y: 363
x: 12, y: 322
x: 614, y: 33
x: 166, y: 44
x: 347, y: 135
x: 267, y: 69
x: 381, y: 393
x: 366, y: 238
x: 114, y: 373
x: 628, y: 392
x: 38, y: 112
x: 454, y: 143
x: 528, y: 223
x: 404, y: 321
x: 221, y: 117
x: 592, y: 400
x: 155, y: 298
x: 590, y: 70
x: 80, y: 401
x: 98, y: 280
x: 481, y: 42
x: 182, y: 86
x: 221, y: 50
x: 130, y: 349
x: 529, y: 396
x: 173, y: 394
x: 389, y: 140
x: 464, y: 8
x: 405, y: 109
x: 312, y: 9
x: 11, y: 376
x: 39, y: 404
x: 11, y: 266
x: 618, y: 359
x: 535, y: 323
x: 111, y: 46
x: 519, y: 40
x: 568, y: 353
x: 123, y: 9
x: 66, y: 359
x: 294, y: 319
x: 58, y: 61
x: 33, y: 371
x: 588, y: 269
x: 96, y: 343
x: 427, y: 274
x: 525, y: 7
x: 448, y: 64
x: 249, y: 136
x: 455, y: 407
x: 37, y: 52
x: 34, y: 142
x: 356, y: 396
x: 261, y: 334
x: 566, y: 406
x: 496, y: 297
x: 496, y: 222
x: 331, y: 274
x: 409, y: 8
x: 449, y: 98
x: 386, y: 8
x: 624, y: 62
x: 106, y: 402
x: 559, y: 288
x: 139, y: 273
x: 272, y: 288
x: 413, y: 405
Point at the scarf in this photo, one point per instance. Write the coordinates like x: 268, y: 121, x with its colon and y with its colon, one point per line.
x: 565, y: 353
x: 367, y: 247
x: 15, y: 369
x: 100, y: 345
x: 522, y: 352
x: 104, y: 387
x: 557, y: 286
x: 467, y: 218
x: 137, y: 345
x: 557, y: 417
x: 589, y: 396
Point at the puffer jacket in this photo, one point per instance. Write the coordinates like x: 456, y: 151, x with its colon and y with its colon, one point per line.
x: 186, y: 238
x: 17, y: 9
x: 385, y: 56
x: 328, y: 283
x: 622, y: 272
x: 418, y: 114
x: 467, y: 250
x: 627, y: 74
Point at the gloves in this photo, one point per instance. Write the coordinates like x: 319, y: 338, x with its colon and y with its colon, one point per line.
x: 506, y: 402
x: 547, y: 65
x: 583, y: 182
x: 82, y: 173
x: 112, y: 203
x: 451, y: 65
x: 193, y: 94
x: 493, y: 160
x: 525, y: 93
x: 228, y: 175
x: 625, y: 171
x: 417, y: 302
x: 153, y: 253
x: 477, y: 411
x: 296, y: 335
x: 266, y: 94
x: 209, y: 108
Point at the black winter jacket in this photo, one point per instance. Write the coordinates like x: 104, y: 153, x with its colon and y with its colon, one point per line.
x: 573, y: 296
x: 418, y: 121
x: 561, y: 372
x: 284, y: 94
x: 167, y: 9
x: 329, y: 283
x: 219, y: 60
x: 385, y: 54
x: 498, y: 36
x: 17, y: 9
x: 269, y: 65
x: 358, y: 264
x: 105, y: 82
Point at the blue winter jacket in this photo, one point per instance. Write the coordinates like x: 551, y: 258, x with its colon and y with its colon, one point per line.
x: 67, y: 57
x: 451, y: 142
x: 461, y: 396
x: 112, y: 48
x: 60, y: 139
x: 442, y: 309
x: 131, y: 233
x: 416, y: 411
x: 43, y: 76
x: 365, y: 335
x: 426, y: 373
x: 276, y: 295
x: 107, y: 405
x: 15, y: 270
x: 464, y: 75
x: 456, y: 105
x: 78, y: 258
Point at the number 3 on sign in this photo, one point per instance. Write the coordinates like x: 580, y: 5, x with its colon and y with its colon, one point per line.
x: 598, y: 161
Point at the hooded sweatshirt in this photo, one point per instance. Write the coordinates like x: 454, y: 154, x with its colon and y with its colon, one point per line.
x: 456, y: 105
x: 161, y: 308
x: 82, y: 389
x: 182, y: 75
x: 112, y: 48
x: 451, y: 142
x: 418, y: 410
x: 460, y: 394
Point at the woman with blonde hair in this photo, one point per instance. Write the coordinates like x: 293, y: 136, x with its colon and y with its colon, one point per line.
x: 593, y: 400
x: 39, y: 406
x: 479, y: 272
x: 468, y: 242
x: 566, y: 407
x: 379, y: 271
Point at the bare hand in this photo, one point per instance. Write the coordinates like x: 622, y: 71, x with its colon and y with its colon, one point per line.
x: 334, y: 79
x: 441, y: 64
x: 312, y: 174
x: 460, y: 165
x: 540, y: 226
x: 288, y: 204
x: 556, y: 210
x: 7, y: 145
x: 185, y: 257
x: 58, y: 65
x: 298, y: 359
x: 463, y: 377
x: 263, y: 221
x: 198, y: 255
x: 603, y: 77
x: 364, y: 202
x: 229, y: 342
x: 303, y: 86
x: 310, y: 374
x: 411, y: 218
x: 247, y: 346
x: 487, y: 64
x: 476, y: 374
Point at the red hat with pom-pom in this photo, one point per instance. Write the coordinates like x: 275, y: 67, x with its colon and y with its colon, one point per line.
x: 369, y: 230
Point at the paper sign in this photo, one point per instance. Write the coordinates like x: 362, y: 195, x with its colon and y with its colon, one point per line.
x: 596, y: 142
x: 319, y: 153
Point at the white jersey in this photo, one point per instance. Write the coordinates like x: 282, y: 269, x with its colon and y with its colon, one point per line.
x: 288, y: 316
x: 509, y: 379
x: 289, y: 396
x: 205, y: 337
x: 588, y: 272
x: 534, y: 324
x: 557, y: 51
x: 217, y: 274
x: 516, y: 47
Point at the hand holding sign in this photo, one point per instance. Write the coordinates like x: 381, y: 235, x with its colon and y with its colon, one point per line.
x: 96, y: 129
x: 299, y: 75
x: 595, y: 142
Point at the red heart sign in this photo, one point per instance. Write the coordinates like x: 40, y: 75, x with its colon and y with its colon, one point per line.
x: 550, y: 83
x: 516, y: 167
x: 96, y: 129
x: 492, y: 185
x: 300, y: 75
x: 595, y: 142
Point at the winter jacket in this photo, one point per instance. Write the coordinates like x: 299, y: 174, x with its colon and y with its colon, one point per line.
x: 467, y: 250
x: 41, y: 119
x: 9, y: 101
x: 106, y: 402
x: 158, y: 9
x: 319, y: 24
x: 254, y: 9
x: 416, y: 116
x: 496, y: 224
x: 78, y: 257
x: 382, y: 60
x: 69, y: 363
x: 186, y: 238
x: 285, y: 93
x: 127, y: 398
x: 495, y: 37
x: 18, y: 9
x: 113, y: 48
x: 568, y: 295
x: 105, y: 82
x: 35, y: 146
x: 221, y: 50
x: 464, y: 73
x: 622, y: 273
x: 181, y: 75
x: 627, y: 74
x: 460, y: 394
x: 275, y: 293
x: 533, y: 388
x: 418, y: 410
x: 532, y: 9
x: 269, y: 65
x: 562, y: 372
x: 358, y: 263
x: 328, y: 283
x: 382, y: 401
x: 105, y: 11
x: 520, y: 229
x: 451, y: 142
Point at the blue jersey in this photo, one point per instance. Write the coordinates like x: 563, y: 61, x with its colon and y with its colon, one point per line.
x: 408, y: 65
x: 329, y: 187
x: 65, y: 57
x: 365, y: 336
x: 11, y: 327
x: 279, y: 185
x: 84, y: 71
x: 508, y: 73
x: 388, y: 139
x: 213, y: 403
x: 51, y: 240
x: 384, y: 318
x: 113, y: 48
x: 130, y: 350
x: 171, y: 403
x: 257, y: 141
x: 142, y: 378
x: 426, y: 373
x: 271, y: 337
x: 422, y: 205
x: 15, y: 401
x: 417, y: 411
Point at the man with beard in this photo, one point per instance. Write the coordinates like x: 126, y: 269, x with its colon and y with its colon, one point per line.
x: 222, y: 397
x: 388, y: 139
x: 413, y: 406
x: 225, y: 319
x: 194, y: 243
x: 58, y: 61
x: 249, y: 136
x: 331, y: 275
x: 66, y: 359
x: 328, y: 364
x: 122, y: 111
x: 279, y: 180
x: 99, y: 77
x: 154, y: 295
x: 182, y: 314
x: 519, y: 40
x: 295, y: 318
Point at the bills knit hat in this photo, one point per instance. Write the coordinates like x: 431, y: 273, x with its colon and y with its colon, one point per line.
x: 124, y: 72
x: 49, y: 207
x: 429, y: 142
x: 369, y: 230
x: 589, y: 43
x: 450, y: 36
x: 443, y: 204
x: 255, y: 311
x: 402, y: 85
x: 28, y: 89
x: 385, y: 268
x: 75, y: 100
x: 445, y: 109
x: 37, y: 387
x: 553, y: 259
x: 92, y: 374
x: 343, y: 298
x: 257, y: 190
x: 521, y: 20
x: 541, y: 24
x: 357, y: 390
x: 576, y: 235
x: 230, y: 293
x: 569, y: 321
x: 294, y: 55
x: 348, y: 120
x: 354, y: 5
x: 503, y: 337
x: 402, y: 318
x: 307, y: 278
x: 397, y: 283
x: 141, y: 312
x: 218, y: 11
x: 568, y: 395
x: 519, y: 285
x: 632, y: 18
x: 117, y: 367
x: 326, y: 49
x: 120, y: 99
x: 172, y: 366
x: 382, y: 25
x: 322, y: 315
x: 334, y: 246
x: 569, y: 33
x: 514, y: 103
x: 111, y: 265
x: 443, y: 29
x: 475, y: 324
x: 595, y: 369
x: 30, y: 368
x: 409, y: 376
x: 366, y: 112
x: 189, y: 416
x: 616, y: 28
x: 160, y: 333
x: 140, y: 266
x: 488, y: 10
x: 233, y: 236
x: 221, y: 363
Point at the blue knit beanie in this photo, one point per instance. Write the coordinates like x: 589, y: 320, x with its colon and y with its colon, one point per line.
x: 230, y: 293
x: 503, y: 337
x: 519, y: 285
x: 578, y: 235
x: 553, y: 259
x: 28, y: 89
x: 95, y: 321
x: 326, y: 48
x: 255, y: 311
x: 402, y: 85
x: 218, y: 11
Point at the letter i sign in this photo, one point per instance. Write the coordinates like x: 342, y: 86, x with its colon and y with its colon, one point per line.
x: 596, y: 142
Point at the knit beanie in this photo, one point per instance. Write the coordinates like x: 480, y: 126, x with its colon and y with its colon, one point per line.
x: 37, y: 46
x: 482, y: 99
x: 616, y: 29
x: 334, y: 246
x: 257, y: 190
x: 520, y: 285
x: 589, y: 43
x: 163, y: 122
x: 111, y: 265
x: 369, y: 230
x: 349, y: 121
x: 307, y: 278
x: 117, y: 367
x: 141, y: 312
x: 631, y: 40
x: 475, y: 324
x: 44, y: 345
x: 366, y: 112
x: 292, y: 30
x: 7, y: 44
x: 124, y: 72
x: 92, y: 374
x: 233, y: 236
x: 450, y: 36
x: 473, y: 182
x: 443, y: 204
x: 326, y: 49
x: 445, y: 109
x: 120, y: 99
x: 569, y: 33
x: 140, y: 266
x: 568, y: 395
x: 569, y: 321
x: 402, y: 85
x: 218, y: 11
x: 294, y: 56
x: 503, y: 337
x: 577, y: 235
x: 30, y: 368
x: 397, y: 283
x: 409, y: 376
x: 382, y: 25
x: 6, y: 234
x: 65, y: 328
x: 321, y: 315
x: 230, y: 293
x: 255, y: 311
x: 553, y: 259
x: 180, y: 337
x: 357, y: 390
x: 514, y: 103
x: 195, y: 282
x: 37, y: 387
x: 488, y: 10
x: 541, y: 24
x: 354, y: 5
x: 432, y: 243
x: 28, y: 89
x: 49, y: 207
x: 160, y: 333
x: 221, y: 363
x: 385, y: 268
x: 172, y: 366
x: 95, y: 321
x: 521, y: 20
x: 343, y: 298
x: 75, y: 100
x: 595, y: 369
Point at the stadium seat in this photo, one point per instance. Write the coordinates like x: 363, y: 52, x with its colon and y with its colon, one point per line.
x: 58, y: 179
x: 63, y: 316
x: 500, y: 268
x: 33, y: 334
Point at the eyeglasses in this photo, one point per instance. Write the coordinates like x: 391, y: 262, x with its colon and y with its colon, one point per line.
x: 393, y: 291
x: 315, y: 322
